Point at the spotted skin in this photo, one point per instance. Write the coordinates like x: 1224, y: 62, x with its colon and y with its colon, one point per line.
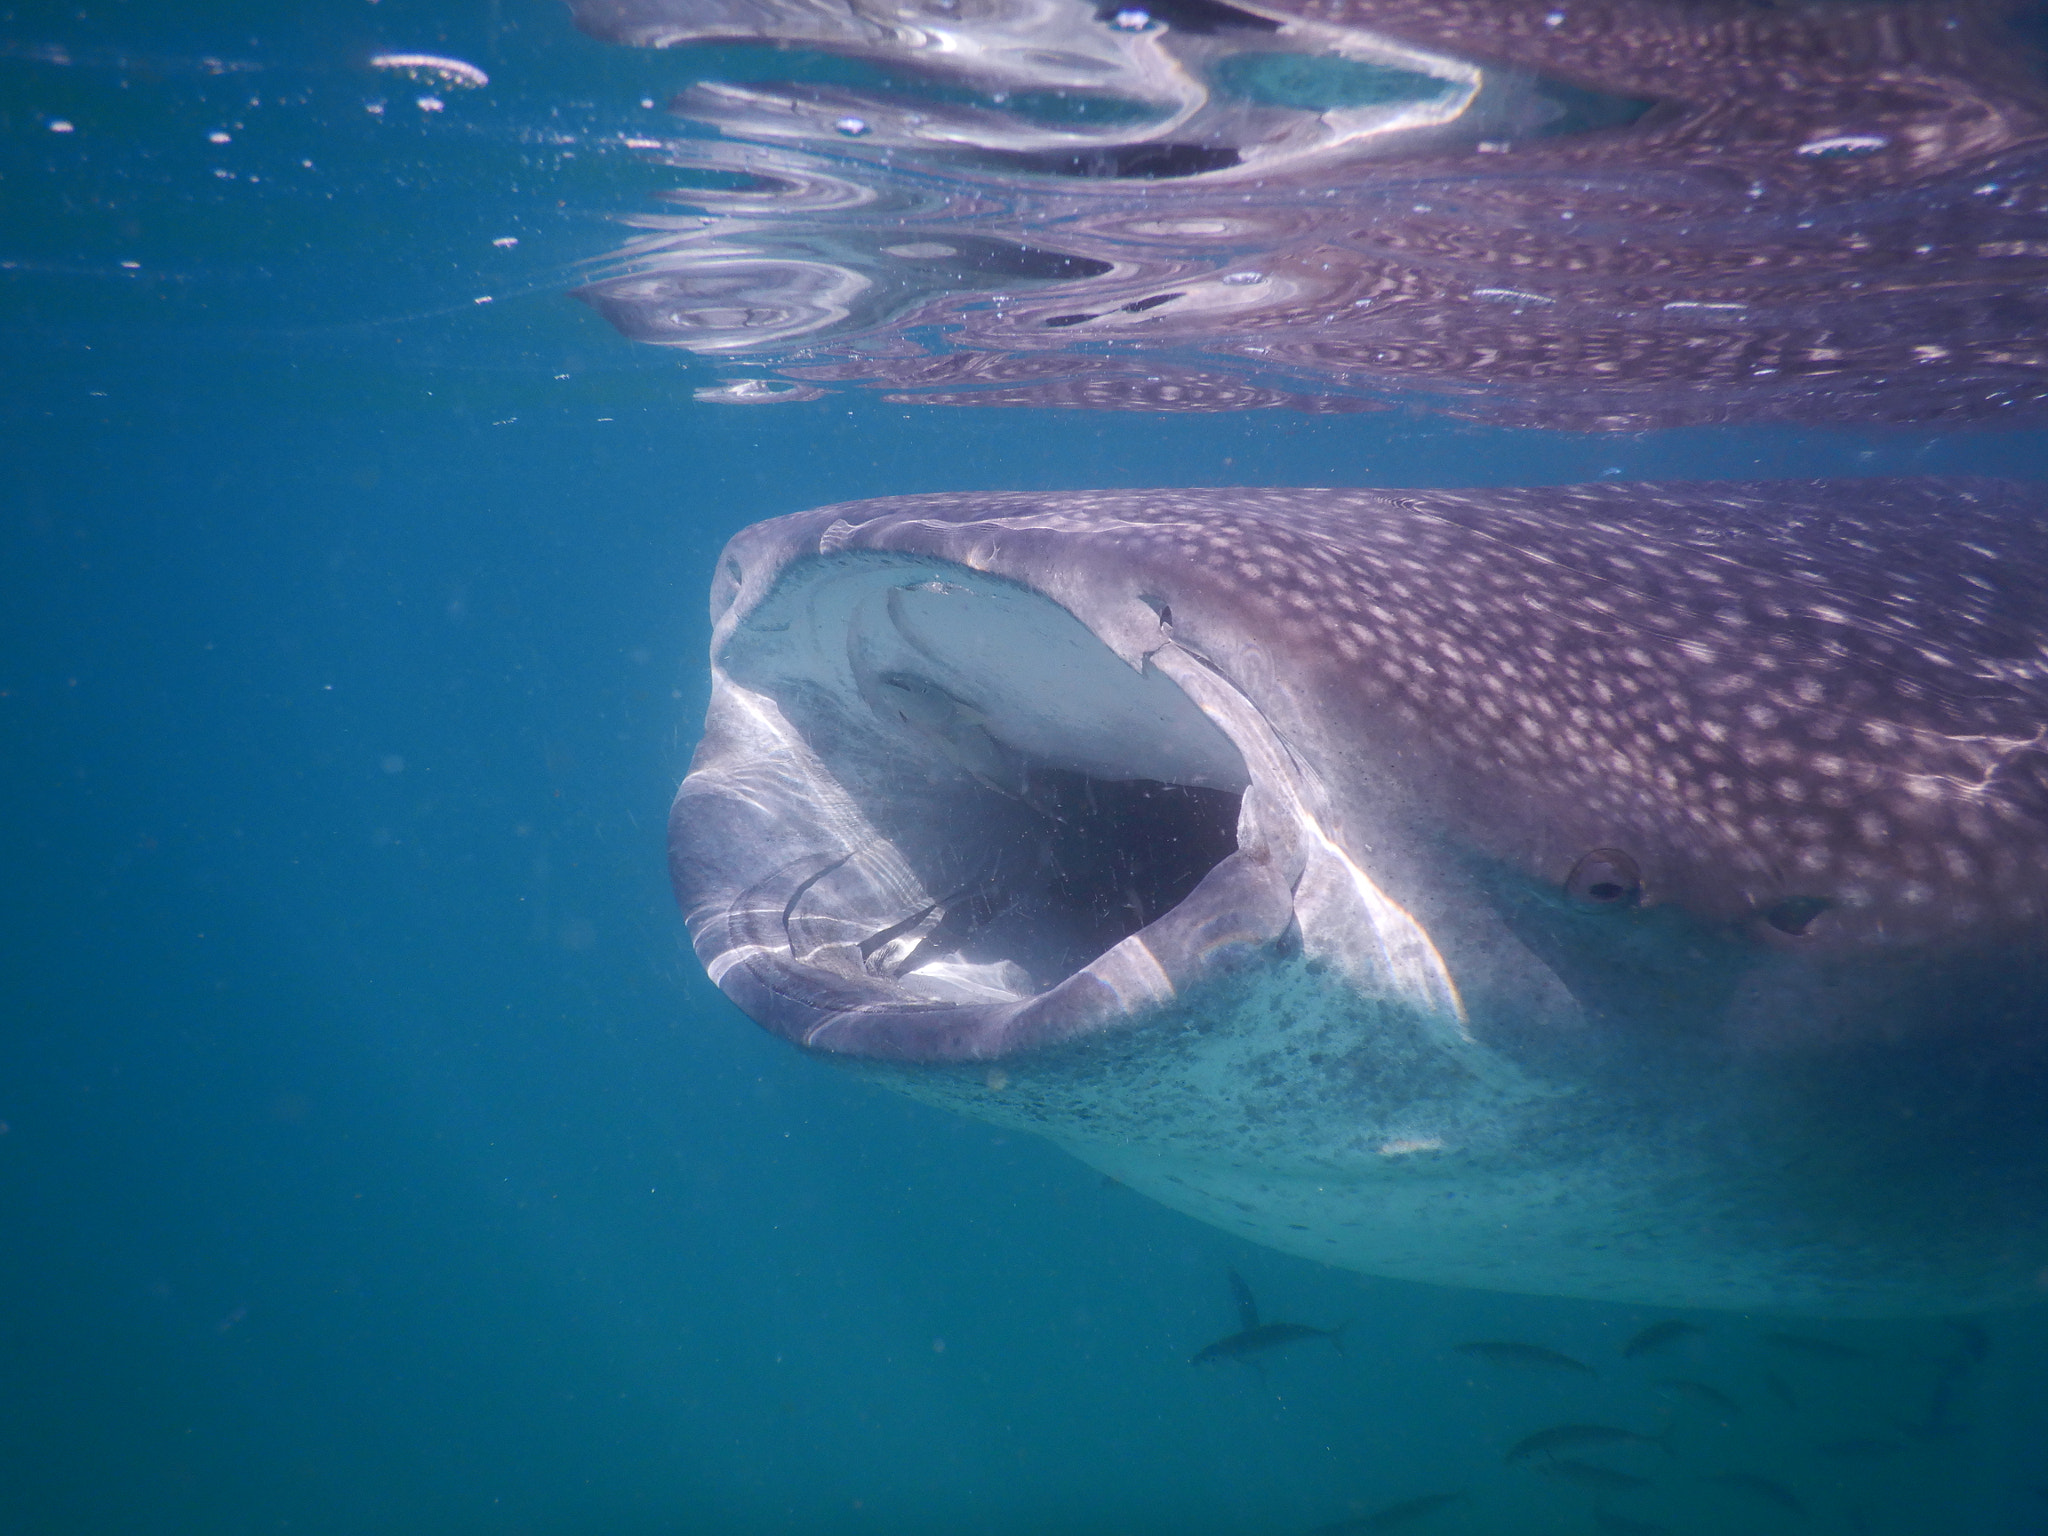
x: 1843, y: 698
x: 1796, y: 729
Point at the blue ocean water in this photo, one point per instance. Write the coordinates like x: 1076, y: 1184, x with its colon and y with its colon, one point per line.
x: 376, y: 1157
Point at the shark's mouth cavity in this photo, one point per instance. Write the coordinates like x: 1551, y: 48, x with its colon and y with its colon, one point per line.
x: 941, y: 818
x: 1044, y: 877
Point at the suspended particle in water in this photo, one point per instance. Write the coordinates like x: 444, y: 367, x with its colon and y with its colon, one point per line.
x: 1131, y: 19
x: 851, y: 127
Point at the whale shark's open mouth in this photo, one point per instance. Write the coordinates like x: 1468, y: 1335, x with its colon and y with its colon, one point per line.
x: 970, y: 824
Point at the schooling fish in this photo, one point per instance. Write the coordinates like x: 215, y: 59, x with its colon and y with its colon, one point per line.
x: 1446, y: 884
x: 1658, y: 1335
x: 1249, y: 1343
x: 1700, y: 1392
x: 1247, y: 1304
x: 1612, y: 1524
x: 1973, y: 1344
x: 1763, y: 1487
x: 1392, y: 1518
x: 1587, y: 1475
x: 1508, y: 1352
x: 1861, y: 1448
x: 1572, y: 1437
x: 1781, y: 1390
x: 1254, y: 1338
x: 1811, y: 1348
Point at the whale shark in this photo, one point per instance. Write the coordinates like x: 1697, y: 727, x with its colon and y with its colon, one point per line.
x: 1634, y: 892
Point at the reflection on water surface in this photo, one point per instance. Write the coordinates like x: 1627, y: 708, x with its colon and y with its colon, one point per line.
x: 1622, y: 214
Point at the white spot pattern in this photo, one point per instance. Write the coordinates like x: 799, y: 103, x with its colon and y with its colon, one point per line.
x: 1827, y: 690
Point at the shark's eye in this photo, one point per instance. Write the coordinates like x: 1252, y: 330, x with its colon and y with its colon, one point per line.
x: 1606, y: 877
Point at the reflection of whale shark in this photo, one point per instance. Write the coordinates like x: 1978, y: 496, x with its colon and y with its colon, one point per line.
x: 1608, y: 213
x: 1622, y: 891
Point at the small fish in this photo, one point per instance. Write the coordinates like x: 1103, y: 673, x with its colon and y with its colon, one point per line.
x: 1249, y: 1342
x: 1762, y: 1487
x: 1780, y: 1391
x: 1861, y: 1448
x: 1658, y: 1335
x: 1391, y: 1518
x: 1247, y: 1304
x: 1971, y: 1340
x: 1586, y: 1475
x: 1571, y: 1437
x: 1939, y: 1423
x: 1700, y: 1392
x: 1621, y: 1525
x: 1508, y: 1352
x: 1814, y: 1349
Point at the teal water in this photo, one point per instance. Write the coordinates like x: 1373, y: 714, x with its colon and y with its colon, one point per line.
x: 376, y: 1158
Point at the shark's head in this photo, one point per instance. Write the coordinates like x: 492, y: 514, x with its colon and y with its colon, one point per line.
x: 1629, y: 891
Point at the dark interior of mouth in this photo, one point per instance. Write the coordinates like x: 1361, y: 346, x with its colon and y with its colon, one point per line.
x: 1056, y: 876
x: 987, y: 797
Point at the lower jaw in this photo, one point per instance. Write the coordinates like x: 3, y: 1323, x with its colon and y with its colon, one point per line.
x: 1281, y: 1105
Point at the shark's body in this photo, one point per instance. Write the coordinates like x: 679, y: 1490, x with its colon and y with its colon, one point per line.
x: 1619, y: 891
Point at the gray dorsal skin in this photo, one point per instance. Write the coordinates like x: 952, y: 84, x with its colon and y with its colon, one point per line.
x: 1617, y: 891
